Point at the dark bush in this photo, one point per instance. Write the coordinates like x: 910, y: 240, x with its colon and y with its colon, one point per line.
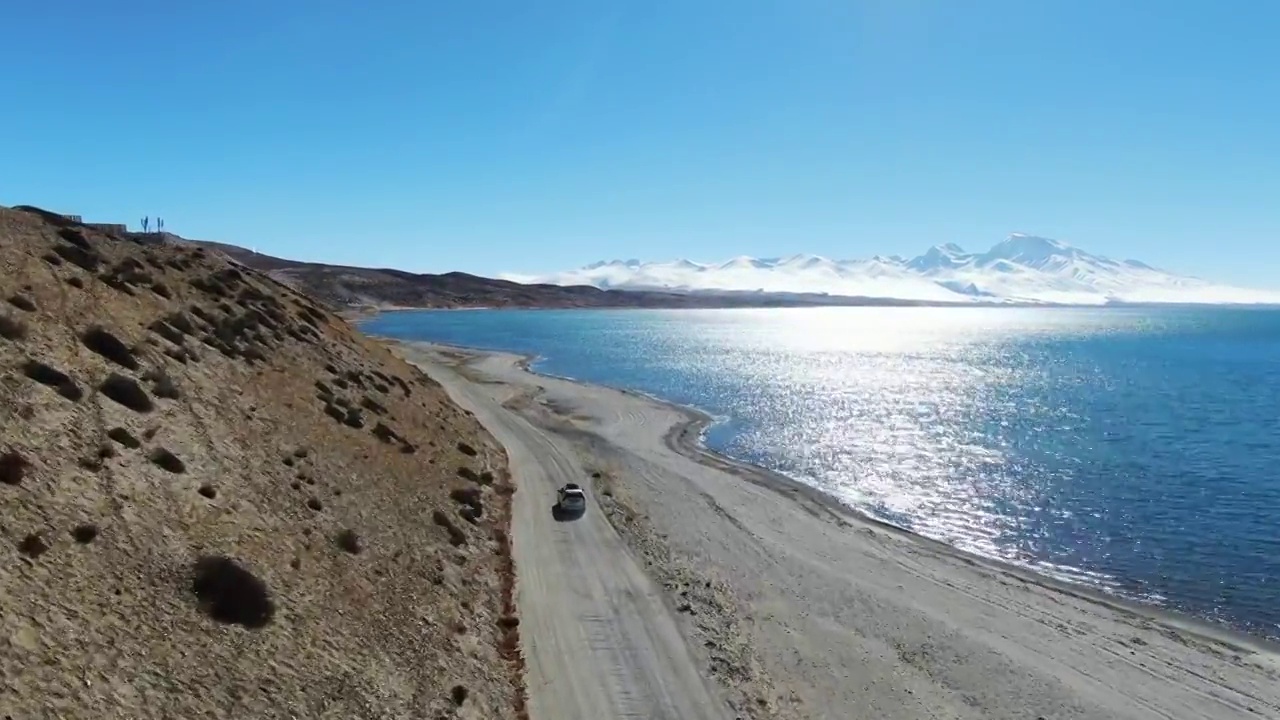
x: 349, y: 541
x: 208, y: 491
x: 53, y: 378
x: 181, y: 322
x: 384, y: 433
x: 353, y: 419
x: 229, y: 593
x: 22, y: 302
x: 469, y: 513
x: 136, y: 277
x: 466, y: 496
x: 124, y: 437
x: 92, y: 463
x: 201, y: 313
x: 466, y: 449
x: 127, y: 392
x: 12, y: 329
x: 210, y: 286
x: 458, y: 694
x: 456, y: 536
x: 13, y: 468
x: 75, y: 282
x: 167, y: 331
x: 102, y: 342
x: 33, y: 545
x: 85, y: 533
x: 167, y: 461
x: 113, y: 280
x: 78, y: 256
x: 75, y: 237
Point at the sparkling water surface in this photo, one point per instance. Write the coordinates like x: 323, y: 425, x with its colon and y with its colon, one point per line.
x: 1133, y: 449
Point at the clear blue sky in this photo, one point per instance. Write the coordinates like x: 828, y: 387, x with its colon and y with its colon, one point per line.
x: 521, y: 136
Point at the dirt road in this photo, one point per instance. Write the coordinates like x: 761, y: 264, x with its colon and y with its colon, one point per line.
x: 600, y: 641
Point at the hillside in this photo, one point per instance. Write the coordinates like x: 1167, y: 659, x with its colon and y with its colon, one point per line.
x: 344, y: 286
x: 218, y: 499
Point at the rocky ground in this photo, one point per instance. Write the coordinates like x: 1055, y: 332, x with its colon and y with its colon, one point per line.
x: 219, y: 500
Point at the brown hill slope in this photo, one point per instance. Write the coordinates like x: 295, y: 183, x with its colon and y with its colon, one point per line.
x: 342, y: 287
x: 217, y: 499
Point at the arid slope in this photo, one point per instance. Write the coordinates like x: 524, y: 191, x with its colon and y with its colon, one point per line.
x: 219, y: 500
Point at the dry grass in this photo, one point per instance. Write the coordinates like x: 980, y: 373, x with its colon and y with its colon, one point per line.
x: 345, y: 611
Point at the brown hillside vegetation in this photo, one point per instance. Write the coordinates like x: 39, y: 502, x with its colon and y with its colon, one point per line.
x: 219, y: 500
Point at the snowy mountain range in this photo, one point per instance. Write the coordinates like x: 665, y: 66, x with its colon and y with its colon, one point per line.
x: 1021, y: 269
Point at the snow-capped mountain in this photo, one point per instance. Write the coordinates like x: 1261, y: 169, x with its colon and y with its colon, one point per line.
x: 1022, y: 268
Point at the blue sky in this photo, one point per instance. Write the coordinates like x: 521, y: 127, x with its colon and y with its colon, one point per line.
x: 515, y: 136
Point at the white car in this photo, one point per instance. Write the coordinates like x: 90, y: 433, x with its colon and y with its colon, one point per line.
x: 571, y: 498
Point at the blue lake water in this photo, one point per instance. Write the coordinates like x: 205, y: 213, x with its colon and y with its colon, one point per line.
x: 1134, y: 449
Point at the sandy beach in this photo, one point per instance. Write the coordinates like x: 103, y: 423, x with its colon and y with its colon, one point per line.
x: 696, y: 587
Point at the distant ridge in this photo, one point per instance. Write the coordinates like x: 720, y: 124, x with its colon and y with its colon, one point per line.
x: 348, y: 288
x: 1020, y: 269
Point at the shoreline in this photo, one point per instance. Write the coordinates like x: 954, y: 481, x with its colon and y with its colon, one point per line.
x: 688, y: 439
x: 793, y: 604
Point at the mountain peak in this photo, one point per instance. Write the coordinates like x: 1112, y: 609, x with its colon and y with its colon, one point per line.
x: 1020, y: 268
x: 1030, y: 250
x: 742, y: 262
x: 948, y: 255
x: 1025, y: 241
